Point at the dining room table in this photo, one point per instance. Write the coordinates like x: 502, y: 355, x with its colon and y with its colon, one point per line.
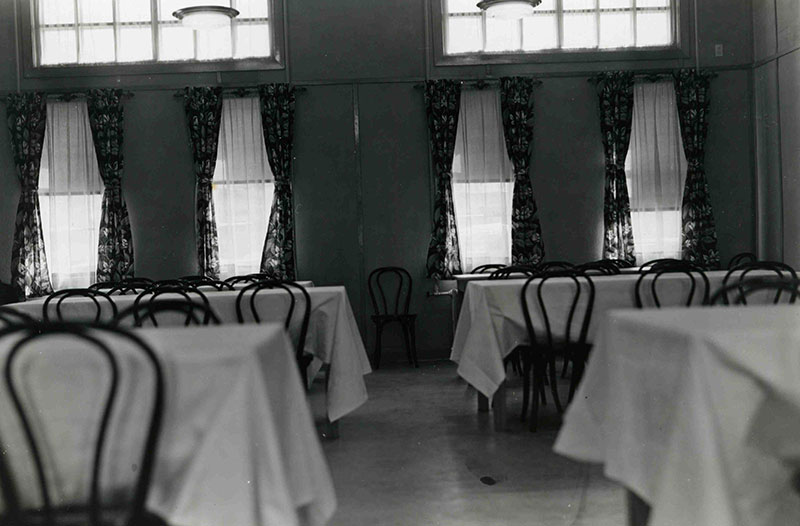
x: 237, y: 443
x: 696, y: 412
x: 333, y: 337
x: 491, y: 323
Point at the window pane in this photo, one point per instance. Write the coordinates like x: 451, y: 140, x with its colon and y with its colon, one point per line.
x: 56, y: 12
x: 653, y: 29
x: 539, y: 32
x: 177, y: 43
x: 616, y: 29
x: 252, y: 40
x: 652, y: 3
x: 580, y: 30
x: 252, y: 8
x: 578, y: 4
x: 167, y: 7
x: 615, y: 4
x: 462, y: 6
x: 135, y: 44
x: 547, y: 5
x: 96, y: 11
x: 59, y: 46
x: 502, y: 34
x: 134, y: 11
x: 464, y: 34
x: 97, y: 45
x: 214, y: 43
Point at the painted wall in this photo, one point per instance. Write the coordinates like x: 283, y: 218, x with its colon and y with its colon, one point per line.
x: 362, y: 176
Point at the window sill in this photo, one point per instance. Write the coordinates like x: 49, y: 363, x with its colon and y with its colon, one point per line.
x: 562, y: 56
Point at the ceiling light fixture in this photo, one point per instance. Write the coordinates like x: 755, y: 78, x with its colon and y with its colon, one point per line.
x: 205, y: 16
x: 508, y: 9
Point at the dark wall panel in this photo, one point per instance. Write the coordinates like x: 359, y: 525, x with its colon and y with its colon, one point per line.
x: 789, y: 75
x: 768, y: 162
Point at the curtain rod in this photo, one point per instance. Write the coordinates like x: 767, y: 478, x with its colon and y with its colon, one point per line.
x: 479, y: 84
x: 66, y: 96
x: 651, y: 76
x: 243, y: 91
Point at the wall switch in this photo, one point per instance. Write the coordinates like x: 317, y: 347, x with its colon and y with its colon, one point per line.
x: 718, y: 52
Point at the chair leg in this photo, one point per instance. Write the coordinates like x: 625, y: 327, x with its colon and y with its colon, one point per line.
x: 406, y: 342
x: 538, y: 375
x: 565, y: 368
x: 551, y: 365
x: 378, y: 332
x: 526, y: 386
x: 413, y: 334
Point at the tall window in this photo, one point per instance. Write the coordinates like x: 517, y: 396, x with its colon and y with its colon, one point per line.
x: 243, y: 187
x: 656, y: 169
x: 483, y: 184
x: 130, y: 31
x: 70, y: 194
x: 560, y: 24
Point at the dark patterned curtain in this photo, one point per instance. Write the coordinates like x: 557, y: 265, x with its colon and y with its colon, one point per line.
x: 442, y: 99
x: 27, y: 114
x: 115, y: 248
x: 699, y: 233
x: 203, y: 113
x: 516, y: 102
x: 615, y: 91
x: 277, y: 118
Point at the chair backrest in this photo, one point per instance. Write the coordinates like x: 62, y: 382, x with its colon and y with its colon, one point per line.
x: 620, y: 263
x: 747, y: 287
x: 393, y: 300
x: 122, y: 287
x: 11, y: 316
x: 661, y: 262
x: 780, y: 270
x: 575, y: 278
x: 665, y: 269
x: 203, y: 282
x: 549, y: 266
x: 60, y: 297
x: 513, y: 272
x: 252, y: 290
x: 487, y: 269
x: 248, y: 278
x: 742, y: 257
x: 603, y: 267
x: 193, y: 312
x: 96, y: 341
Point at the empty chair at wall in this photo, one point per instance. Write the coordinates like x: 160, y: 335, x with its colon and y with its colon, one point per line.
x: 390, y: 292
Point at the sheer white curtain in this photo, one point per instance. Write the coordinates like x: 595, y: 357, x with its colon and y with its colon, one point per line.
x: 482, y: 181
x: 243, y: 187
x: 656, y: 168
x: 70, y: 194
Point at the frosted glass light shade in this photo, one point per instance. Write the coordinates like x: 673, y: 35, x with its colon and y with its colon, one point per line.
x: 508, y: 9
x: 205, y: 16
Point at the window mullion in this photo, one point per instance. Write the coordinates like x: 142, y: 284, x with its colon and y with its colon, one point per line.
x: 483, y: 25
x: 597, y: 23
x: 633, y: 22
x: 77, y: 30
x: 115, y: 19
x: 154, y: 28
x: 234, y: 4
x: 560, y: 22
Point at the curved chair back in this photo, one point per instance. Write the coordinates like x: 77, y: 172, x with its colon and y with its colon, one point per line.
x: 66, y: 294
x: 603, y: 267
x: 659, y: 270
x: 202, y: 282
x: 250, y: 278
x: 747, y: 287
x: 192, y: 312
x: 550, y: 266
x: 253, y: 289
x: 10, y: 316
x: 169, y: 290
x: 96, y: 341
x: 620, y: 263
x: 122, y: 287
x: 487, y: 269
x: 661, y: 262
x: 390, y: 300
x: 741, y: 258
x: 781, y: 271
x: 513, y: 272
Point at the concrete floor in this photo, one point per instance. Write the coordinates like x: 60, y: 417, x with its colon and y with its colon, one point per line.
x: 415, y: 454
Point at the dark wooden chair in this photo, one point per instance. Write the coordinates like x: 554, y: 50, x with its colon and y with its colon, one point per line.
x: 513, y: 272
x: 128, y: 509
x: 393, y: 308
x: 122, y: 287
x: 781, y: 271
x: 550, y: 266
x: 61, y: 296
x: 487, y: 269
x: 303, y: 358
x: 659, y: 263
x: 658, y: 271
x: 603, y: 267
x: 741, y: 289
x: 203, y: 282
x: 539, y: 357
x: 193, y: 312
x: 742, y: 257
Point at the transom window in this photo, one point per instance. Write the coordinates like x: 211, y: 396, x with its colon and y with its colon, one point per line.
x: 560, y: 24
x: 142, y: 31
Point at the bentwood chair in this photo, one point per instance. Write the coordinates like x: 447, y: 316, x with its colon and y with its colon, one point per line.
x: 252, y: 290
x: 123, y: 287
x: 10, y: 316
x: 208, y: 283
x: 192, y: 312
x: 513, y: 272
x: 390, y: 292
x: 742, y: 257
x: 661, y: 262
x: 487, y: 269
x: 170, y: 290
x: 603, y: 267
x: 656, y: 272
x: 740, y: 290
x: 126, y: 506
x: 62, y: 296
x: 781, y: 271
x: 550, y: 266
x: 539, y: 358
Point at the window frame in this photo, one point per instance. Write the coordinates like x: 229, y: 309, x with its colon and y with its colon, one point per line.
x: 438, y: 20
x: 29, y: 38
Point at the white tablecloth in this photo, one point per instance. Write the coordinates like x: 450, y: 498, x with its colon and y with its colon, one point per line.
x: 333, y: 337
x: 491, y: 323
x: 238, y: 444
x: 693, y: 409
